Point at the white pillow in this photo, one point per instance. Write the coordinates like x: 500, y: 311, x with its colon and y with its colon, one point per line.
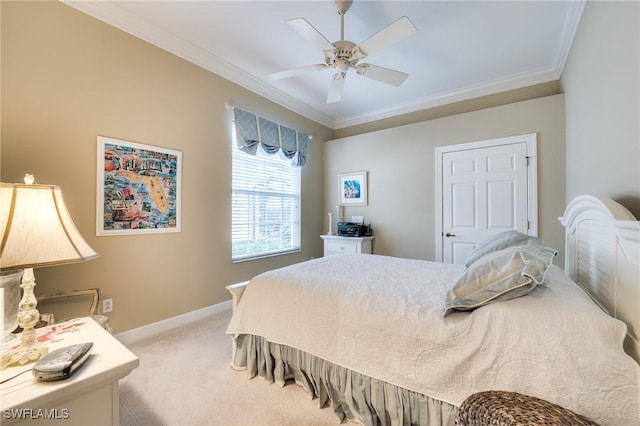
x: 500, y: 275
x: 501, y: 241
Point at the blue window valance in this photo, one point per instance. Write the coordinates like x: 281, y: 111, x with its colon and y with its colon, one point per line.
x: 252, y: 130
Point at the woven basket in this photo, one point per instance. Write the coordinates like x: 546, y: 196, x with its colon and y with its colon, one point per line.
x: 498, y: 408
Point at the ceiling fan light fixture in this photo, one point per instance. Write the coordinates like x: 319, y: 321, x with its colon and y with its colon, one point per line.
x: 336, y: 87
x: 340, y: 57
x: 339, y: 75
x: 342, y: 66
x: 344, y: 54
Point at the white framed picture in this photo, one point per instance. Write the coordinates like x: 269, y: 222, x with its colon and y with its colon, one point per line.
x: 353, y: 188
x: 139, y: 188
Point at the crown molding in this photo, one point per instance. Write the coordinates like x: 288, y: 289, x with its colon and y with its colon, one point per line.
x: 511, y: 82
x: 569, y: 30
x: 114, y: 15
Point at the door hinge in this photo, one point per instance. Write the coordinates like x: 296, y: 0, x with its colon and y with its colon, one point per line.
x: 528, y: 225
x: 527, y: 157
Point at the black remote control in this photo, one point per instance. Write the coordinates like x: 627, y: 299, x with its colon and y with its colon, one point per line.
x: 61, y: 363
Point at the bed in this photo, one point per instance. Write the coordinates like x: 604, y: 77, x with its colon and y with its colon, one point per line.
x: 386, y: 340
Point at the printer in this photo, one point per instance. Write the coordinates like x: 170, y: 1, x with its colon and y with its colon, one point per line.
x: 351, y: 229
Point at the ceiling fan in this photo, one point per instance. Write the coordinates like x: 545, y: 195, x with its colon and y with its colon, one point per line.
x: 344, y: 54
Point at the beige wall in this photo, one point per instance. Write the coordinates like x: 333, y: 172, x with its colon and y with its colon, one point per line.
x: 401, y: 162
x: 67, y: 78
x: 601, y: 82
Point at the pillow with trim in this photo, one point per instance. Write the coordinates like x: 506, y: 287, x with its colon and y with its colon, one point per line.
x: 498, y: 276
x: 501, y: 241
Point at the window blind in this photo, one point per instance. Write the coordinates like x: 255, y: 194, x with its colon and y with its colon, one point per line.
x: 265, y: 200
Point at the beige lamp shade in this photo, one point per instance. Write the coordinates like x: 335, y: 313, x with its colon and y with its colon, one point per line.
x: 36, y: 228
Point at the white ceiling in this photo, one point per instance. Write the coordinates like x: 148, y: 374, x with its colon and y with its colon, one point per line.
x: 462, y: 50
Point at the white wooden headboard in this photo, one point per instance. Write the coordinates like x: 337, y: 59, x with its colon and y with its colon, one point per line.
x: 602, y: 246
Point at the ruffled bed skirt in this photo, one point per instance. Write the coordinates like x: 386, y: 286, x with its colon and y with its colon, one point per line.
x: 352, y: 395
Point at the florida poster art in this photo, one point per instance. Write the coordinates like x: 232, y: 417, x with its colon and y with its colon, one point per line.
x: 139, y: 188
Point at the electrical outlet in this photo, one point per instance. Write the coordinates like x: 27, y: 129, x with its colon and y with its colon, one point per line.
x: 107, y: 306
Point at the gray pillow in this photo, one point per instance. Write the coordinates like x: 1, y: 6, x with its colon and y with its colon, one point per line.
x: 499, y: 242
x: 500, y: 275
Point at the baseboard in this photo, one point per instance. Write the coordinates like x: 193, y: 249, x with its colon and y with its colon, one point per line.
x: 150, y: 330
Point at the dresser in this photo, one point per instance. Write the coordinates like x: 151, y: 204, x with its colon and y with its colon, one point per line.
x: 89, y: 397
x: 334, y: 244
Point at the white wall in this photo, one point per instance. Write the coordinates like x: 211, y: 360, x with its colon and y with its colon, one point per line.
x: 602, y: 96
x: 401, y: 160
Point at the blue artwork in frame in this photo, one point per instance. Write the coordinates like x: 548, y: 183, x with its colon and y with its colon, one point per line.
x: 353, y: 189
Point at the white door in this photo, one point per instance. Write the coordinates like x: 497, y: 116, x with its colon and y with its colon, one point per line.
x: 485, y: 189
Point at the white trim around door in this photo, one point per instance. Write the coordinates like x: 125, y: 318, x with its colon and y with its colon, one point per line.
x: 530, y: 140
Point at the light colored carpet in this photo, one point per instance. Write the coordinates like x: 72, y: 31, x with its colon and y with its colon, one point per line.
x: 184, y: 378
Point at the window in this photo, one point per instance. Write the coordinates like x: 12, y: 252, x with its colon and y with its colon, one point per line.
x: 265, y: 216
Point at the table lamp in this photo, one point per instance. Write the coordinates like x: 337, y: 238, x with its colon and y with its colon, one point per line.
x: 36, y: 231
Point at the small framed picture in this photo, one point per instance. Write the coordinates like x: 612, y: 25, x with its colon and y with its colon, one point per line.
x: 353, y: 188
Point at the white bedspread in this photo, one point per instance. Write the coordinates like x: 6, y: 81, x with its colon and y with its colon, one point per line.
x: 382, y: 317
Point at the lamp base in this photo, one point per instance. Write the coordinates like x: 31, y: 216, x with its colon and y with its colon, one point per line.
x: 23, y: 355
x: 30, y: 350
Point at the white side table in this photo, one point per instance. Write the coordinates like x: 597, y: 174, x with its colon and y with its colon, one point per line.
x: 89, y: 397
x: 334, y: 244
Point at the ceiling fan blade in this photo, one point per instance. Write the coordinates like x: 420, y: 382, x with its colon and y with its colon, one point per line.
x: 392, y: 33
x: 336, y: 88
x: 297, y: 71
x: 384, y: 75
x: 309, y: 33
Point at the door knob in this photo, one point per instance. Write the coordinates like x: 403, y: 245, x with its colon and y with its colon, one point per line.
x: 449, y: 234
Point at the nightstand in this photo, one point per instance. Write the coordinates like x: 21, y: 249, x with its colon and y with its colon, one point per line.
x: 334, y: 244
x: 89, y: 397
